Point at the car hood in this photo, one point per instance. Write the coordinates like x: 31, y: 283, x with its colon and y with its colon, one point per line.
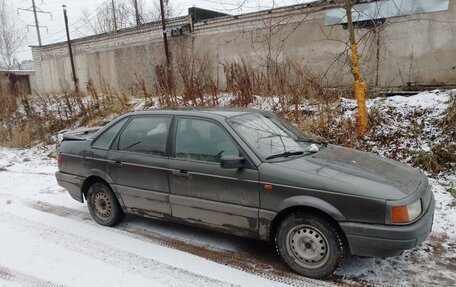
x: 360, y: 173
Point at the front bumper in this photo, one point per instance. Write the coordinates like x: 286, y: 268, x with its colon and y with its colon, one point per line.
x: 371, y: 240
x: 71, y: 183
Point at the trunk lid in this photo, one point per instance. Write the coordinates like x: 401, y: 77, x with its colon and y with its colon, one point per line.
x: 80, y: 134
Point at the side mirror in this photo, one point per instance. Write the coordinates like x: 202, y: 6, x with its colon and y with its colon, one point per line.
x: 232, y: 162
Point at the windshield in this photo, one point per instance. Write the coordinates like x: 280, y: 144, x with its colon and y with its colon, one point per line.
x: 271, y: 137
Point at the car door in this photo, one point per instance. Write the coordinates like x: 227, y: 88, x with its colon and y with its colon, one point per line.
x: 138, y: 165
x: 204, y: 192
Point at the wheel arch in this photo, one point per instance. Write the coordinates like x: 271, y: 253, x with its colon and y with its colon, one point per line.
x: 306, y: 204
x: 88, y: 182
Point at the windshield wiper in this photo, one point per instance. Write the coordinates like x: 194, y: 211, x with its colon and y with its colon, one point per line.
x: 285, y: 154
x: 312, y: 141
x: 273, y: 135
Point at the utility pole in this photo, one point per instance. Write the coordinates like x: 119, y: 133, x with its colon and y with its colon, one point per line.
x: 35, y: 11
x: 114, y: 15
x: 70, y: 49
x: 165, y: 37
x: 138, y: 19
x: 38, y: 34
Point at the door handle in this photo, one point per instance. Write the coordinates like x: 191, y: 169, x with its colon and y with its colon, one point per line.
x: 117, y: 163
x: 182, y: 173
x: 87, y: 156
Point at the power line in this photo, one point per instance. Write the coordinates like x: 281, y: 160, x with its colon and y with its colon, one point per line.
x: 89, y: 16
x: 35, y: 11
x: 78, y: 25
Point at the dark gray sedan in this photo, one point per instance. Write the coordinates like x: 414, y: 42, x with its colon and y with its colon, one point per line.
x: 249, y: 173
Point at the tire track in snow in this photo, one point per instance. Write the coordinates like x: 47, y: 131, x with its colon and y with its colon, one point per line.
x: 259, y: 262
x: 108, y: 254
x: 6, y: 170
x: 24, y: 279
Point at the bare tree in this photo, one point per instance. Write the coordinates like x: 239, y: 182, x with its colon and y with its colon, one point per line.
x: 153, y: 13
x: 102, y: 19
x: 359, y: 84
x: 11, y: 35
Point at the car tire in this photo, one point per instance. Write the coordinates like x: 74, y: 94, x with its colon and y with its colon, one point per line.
x: 310, y: 245
x: 103, y: 205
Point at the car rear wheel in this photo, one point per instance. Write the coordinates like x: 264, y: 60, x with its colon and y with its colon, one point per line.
x: 310, y: 245
x: 103, y: 205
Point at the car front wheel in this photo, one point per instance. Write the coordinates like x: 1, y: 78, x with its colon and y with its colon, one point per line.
x: 310, y: 245
x: 103, y: 205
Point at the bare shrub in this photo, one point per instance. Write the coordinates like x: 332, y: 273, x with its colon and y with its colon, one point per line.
x: 21, y: 137
x: 42, y: 116
x: 287, y: 80
x: 427, y: 160
x: 192, y: 70
x: 212, y: 91
x: 8, y: 109
x: 195, y: 80
x: 328, y: 125
x: 93, y: 93
x: 448, y: 122
x: 240, y: 81
x: 165, y: 87
x: 148, y: 102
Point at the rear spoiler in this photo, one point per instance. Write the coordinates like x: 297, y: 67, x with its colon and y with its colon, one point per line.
x: 81, y: 134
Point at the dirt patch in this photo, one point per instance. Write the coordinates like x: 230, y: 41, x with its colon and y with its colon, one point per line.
x: 5, y: 273
x: 25, y: 279
x: 45, y: 207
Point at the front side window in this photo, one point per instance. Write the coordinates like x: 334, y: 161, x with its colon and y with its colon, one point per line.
x: 203, y: 140
x: 146, y: 135
x: 104, y: 141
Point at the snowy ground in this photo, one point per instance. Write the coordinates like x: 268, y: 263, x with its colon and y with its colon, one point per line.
x: 48, y: 239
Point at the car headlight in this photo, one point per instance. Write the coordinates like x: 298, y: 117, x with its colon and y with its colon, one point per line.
x: 406, y: 213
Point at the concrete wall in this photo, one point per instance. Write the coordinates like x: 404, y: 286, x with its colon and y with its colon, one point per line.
x: 114, y: 60
x: 417, y: 50
x: 25, y: 81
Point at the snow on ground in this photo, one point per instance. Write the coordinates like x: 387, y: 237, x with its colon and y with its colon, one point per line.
x: 48, y: 239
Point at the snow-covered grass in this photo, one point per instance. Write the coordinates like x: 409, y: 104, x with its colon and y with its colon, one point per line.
x: 48, y: 239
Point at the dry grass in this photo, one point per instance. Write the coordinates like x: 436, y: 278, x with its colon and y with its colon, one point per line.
x: 39, y: 118
x: 241, y: 80
x: 448, y: 122
x: 165, y: 87
x: 25, y: 120
x: 403, y: 143
x: 289, y: 81
x: 195, y: 79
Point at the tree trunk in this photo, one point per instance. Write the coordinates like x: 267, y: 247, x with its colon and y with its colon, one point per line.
x: 359, y: 84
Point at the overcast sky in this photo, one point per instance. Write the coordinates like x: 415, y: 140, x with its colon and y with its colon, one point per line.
x: 55, y: 31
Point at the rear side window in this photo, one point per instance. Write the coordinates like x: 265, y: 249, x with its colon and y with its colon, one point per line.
x: 104, y: 141
x: 146, y: 135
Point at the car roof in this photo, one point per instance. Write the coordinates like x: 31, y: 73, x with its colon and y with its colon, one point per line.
x: 223, y: 112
